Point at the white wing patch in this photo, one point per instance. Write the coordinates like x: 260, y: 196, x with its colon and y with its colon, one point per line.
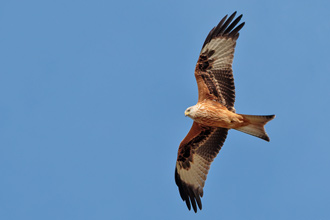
x: 224, y: 49
x: 196, y: 174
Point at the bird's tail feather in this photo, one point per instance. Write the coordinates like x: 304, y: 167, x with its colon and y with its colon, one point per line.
x: 256, y: 125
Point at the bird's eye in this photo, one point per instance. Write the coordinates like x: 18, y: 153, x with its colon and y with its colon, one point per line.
x: 188, y: 110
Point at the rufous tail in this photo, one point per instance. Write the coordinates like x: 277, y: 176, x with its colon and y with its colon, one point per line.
x: 256, y: 125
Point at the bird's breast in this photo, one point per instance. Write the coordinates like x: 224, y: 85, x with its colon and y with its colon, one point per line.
x: 210, y: 115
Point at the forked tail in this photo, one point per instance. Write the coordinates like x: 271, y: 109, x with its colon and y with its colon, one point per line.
x: 256, y: 125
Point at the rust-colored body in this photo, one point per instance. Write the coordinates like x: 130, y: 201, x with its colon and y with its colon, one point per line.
x: 213, y: 114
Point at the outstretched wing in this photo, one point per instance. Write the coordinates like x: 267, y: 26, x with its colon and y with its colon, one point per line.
x: 214, y: 74
x: 196, y: 153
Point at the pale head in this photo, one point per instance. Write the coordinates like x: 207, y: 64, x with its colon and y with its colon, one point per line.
x: 191, y: 111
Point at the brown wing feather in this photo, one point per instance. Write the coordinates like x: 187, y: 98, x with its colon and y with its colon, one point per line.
x: 214, y: 74
x: 195, y: 155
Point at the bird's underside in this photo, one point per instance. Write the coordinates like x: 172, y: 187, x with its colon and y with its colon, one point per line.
x: 214, y: 113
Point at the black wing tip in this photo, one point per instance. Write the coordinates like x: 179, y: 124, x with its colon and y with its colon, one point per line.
x: 226, y: 28
x: 188, y: 194
x: 271, y: 117
x: 265, y: 137
x: 234, y: 14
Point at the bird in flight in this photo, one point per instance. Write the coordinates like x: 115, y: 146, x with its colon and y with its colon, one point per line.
x: 214, y: 114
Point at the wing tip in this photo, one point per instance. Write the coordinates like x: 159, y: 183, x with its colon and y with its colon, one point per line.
x: 226, y: 28
x: 192, y: 193
x: 189, y: 195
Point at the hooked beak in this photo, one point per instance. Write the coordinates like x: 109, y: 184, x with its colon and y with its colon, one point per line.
x: 186, y: 113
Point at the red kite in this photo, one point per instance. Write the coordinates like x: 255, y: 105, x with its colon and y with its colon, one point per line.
x: 214, y: 114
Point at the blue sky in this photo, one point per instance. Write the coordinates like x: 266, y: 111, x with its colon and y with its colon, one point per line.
x: 92, y: 100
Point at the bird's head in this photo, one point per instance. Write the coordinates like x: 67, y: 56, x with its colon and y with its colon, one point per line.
x: 190, y: 112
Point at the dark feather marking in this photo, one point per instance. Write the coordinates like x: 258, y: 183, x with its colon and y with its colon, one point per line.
x: 211, y: 85
x: 204, y: 61
x: 188, y: 193
x: 183, y: 189
x: 233, y: 24
x: 192, y: 198
x: 224, y: 78
x: 198, y: 200
x: 186, y: 151
x: 219, y: 26
x: 209, y: 150
x: 215, y: 29
x: 221, y: 84
x: 223, y: 30
x: 213, y: 145
x: 234, y: 34
x: 209, y: 37
x: 225, y: 25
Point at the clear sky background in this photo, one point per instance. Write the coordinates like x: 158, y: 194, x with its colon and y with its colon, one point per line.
x: 92, y: 100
